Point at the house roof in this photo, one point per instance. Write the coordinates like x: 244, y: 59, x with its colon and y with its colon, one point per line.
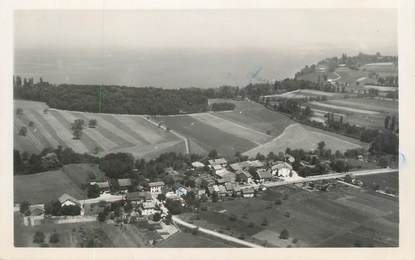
x: 239, y: 165
x: 124, y: 182
x: 103, y: 184
x: 218, y: 161
x: 64, y: 197
x: 256, y: 164
x: 156, y: 184
x: 248, y: 190
x: 245, y: 173
x: 138, y: 195
x: 223, y: 172
x: 37, y: 210
x: 281, y: 165
x: 217, y: 167
x: 229, y: 186
x: 264, y: 174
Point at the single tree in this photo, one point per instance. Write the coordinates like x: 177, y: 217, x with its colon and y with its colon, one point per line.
x: 39, y: 237
x: 77, y: 133
x: 92, y: 123
x: 284, y: 234
x: 24, y: 207
x: 19, y: 111
x: 23, y: 131
x: 54, y: 238
x: 157, y: 217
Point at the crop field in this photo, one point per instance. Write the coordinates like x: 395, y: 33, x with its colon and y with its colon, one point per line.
x: 187, y: 239
x: 367, y: 104
x: 232, y: 128
x: 297, y: 136
x: 112, y: 133
x: 257, y: 117
x: 314, y: 219
x: 206, y: 136
x: 45, y: 186
x: 342, y: 108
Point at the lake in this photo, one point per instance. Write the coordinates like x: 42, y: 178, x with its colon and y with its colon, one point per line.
x: 166, y: 68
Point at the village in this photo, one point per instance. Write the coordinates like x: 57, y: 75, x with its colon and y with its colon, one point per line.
x: 121, y: 201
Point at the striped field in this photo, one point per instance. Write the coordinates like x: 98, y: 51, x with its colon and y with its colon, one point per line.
x: 113, y: 133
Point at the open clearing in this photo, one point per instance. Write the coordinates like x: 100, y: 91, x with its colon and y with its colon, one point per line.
x: 131, y: 133
x: 316, y: 219
x: 45, y: 186
x: 297, y: 136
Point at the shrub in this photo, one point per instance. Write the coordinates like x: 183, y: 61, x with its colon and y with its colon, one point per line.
x: 278, y: 202
x: 232, y: 217
x: 284, y: 234
x: 39, y: 237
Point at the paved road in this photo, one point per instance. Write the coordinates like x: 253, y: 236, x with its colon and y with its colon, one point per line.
x: 331, y: 176
x: 181, y: 222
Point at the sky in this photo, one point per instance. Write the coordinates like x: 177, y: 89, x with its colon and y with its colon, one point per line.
x: 303, y: 29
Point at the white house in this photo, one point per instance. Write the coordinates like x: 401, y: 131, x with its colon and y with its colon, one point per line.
x: 156, y: 187
x: 67, y: 200
x: 282, y: 169
x: 148, y: 208
x: 181, y: 191
x: 248, y: 192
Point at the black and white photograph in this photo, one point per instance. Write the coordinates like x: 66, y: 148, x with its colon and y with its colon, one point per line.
x: 206, y: 128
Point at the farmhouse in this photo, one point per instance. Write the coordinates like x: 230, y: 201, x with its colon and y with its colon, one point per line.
x: 248, y: 192
x: 225, y: 176
x: 239, y: 165
x: 282, y: 169
x: 244, y: 176
x: 103, y: 185
x: 263, y: 175
x: 382, y: 91
x: 67, y: 200
x: 125, y: 183
x: 256, y: 164
x: 156, y: 187
x: 221, y: 161
x: 139, y: 196
x: 37, y: 214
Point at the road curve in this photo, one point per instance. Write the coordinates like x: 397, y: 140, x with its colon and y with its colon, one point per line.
x: 181, y: 222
